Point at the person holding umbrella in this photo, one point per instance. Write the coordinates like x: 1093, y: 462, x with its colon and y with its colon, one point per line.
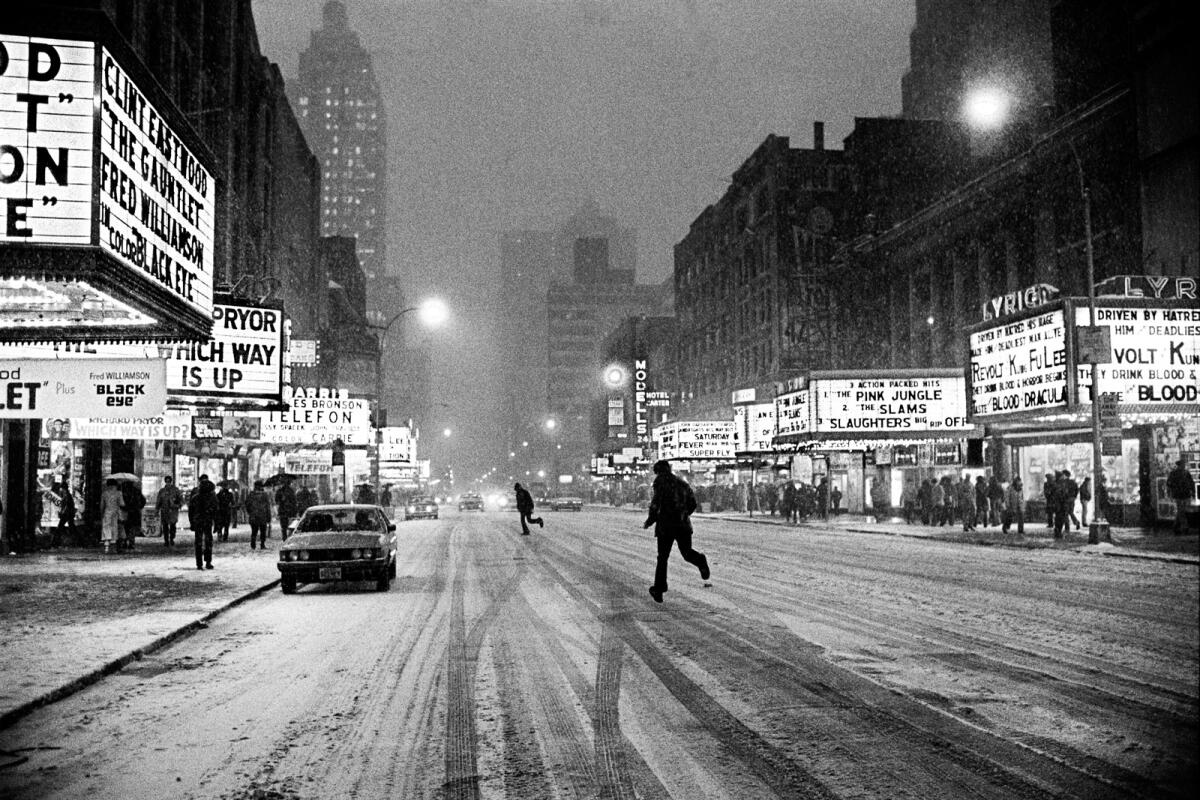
x: 112, y: 507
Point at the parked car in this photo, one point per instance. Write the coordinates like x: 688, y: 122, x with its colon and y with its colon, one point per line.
x: 566, y: 504
x: 339, y: 542
x: 470, y: 502
x: 421, y: 508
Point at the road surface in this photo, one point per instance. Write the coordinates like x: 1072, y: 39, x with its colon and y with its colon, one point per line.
x: 819, y: 664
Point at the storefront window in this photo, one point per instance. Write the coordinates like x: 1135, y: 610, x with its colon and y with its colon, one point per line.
x: 1121, y: 472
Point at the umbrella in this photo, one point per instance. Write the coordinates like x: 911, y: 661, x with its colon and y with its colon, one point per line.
x: 123, y: 476
x: 279, y: 478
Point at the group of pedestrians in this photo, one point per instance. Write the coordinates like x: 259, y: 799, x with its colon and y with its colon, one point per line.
x: 944, y: 501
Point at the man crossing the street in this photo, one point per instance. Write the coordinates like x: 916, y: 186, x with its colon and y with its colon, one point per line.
x: 671, y: 507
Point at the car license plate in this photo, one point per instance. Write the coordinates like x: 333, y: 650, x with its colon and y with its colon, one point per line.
x: 330, y: 573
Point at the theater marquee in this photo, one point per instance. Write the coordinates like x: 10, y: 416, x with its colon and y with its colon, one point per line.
x: 107, y: 202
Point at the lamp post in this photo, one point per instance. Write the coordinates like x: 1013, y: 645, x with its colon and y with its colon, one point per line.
x: 1098, y: 526
x: 986, y: 109
x: 433, y: 312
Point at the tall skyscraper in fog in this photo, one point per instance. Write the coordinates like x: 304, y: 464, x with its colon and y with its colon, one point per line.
x: 340, y: 110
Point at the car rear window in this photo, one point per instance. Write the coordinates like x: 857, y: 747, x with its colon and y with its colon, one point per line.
x: 324, y: 521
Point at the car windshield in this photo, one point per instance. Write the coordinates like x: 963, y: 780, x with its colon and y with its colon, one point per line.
x: 424, y: 501
x: 344, y: 520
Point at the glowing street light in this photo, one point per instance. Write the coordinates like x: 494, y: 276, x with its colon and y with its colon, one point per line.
x: 614, y: 375
x: 446, y: 432
x: 987, y: 108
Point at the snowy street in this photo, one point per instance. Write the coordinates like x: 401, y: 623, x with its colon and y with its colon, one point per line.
x: 819, y: 664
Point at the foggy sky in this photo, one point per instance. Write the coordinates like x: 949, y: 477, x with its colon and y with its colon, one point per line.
x: 504, y: 115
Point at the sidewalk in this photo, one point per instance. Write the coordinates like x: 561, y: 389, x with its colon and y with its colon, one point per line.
x: 1160, y: 545
x: 69, y: 617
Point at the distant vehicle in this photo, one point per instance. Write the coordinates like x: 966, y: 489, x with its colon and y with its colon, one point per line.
x: 470, y: 502
x: 339, y: 542
x: 566, y: 504
x: 421, y: 508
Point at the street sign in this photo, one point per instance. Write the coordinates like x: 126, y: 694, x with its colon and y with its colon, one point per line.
x: 1093, y: 344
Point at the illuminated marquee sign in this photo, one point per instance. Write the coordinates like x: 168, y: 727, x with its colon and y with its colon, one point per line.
x: 1155, y: 356
x: 1019, y: 366
x: 708, y: 440
x: 156, y: 198
x: 319, y: 416
x: 46, y: 139
x: 793, y: 413
x: 104, y: 389
x: 754, y: 426
x: 397, y: 445
x: 890, y: 404
x: 243, y: 360
x: 91, y: 169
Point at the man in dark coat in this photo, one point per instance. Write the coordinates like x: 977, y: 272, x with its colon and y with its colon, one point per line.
x: 202, y: 512
x: 258, y: 511
x: 285, y: 507
x: 224, y: 514
x: 1182, y: 488
x: 671, y: 507
x: 525, y: 508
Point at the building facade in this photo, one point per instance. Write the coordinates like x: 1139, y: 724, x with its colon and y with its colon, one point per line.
x: 752, y: 304
x: 337, y: 100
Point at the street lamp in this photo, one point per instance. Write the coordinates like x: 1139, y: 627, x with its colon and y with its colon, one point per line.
x: 987, y: 109
x: 432, y: 313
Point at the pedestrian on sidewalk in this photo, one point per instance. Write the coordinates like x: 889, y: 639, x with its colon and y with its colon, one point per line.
x: 908, y: 501
x: 937, y: 502
x: 823, y: 498
x: 966, y: 504
x: 1085, y: 500
x: 167, y: 503
x: 995, y: 498
x: 66, y: 518
x: 135, y: 501
x: 671, y: 507
x: 224, y: 513
x: 1070, y: 490
x: 835, y: 500
x: 202, y: 512
x: 1014, y: 506
x: 258, y: 510
x: 925, y: 501
x: 981, y: 501
x: 112, y: 507
x: 1182, y: 488
x: 1049, y: 493
x: 285, y: 507
x: 525, y: 509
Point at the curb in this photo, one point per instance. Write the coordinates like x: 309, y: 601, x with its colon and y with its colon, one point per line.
x: 9, y: 718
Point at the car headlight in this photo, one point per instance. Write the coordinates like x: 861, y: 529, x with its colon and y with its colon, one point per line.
x: 302, y: 555
x: 412, y: 509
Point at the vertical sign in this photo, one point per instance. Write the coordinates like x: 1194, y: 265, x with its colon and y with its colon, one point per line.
x: 46, y: 131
